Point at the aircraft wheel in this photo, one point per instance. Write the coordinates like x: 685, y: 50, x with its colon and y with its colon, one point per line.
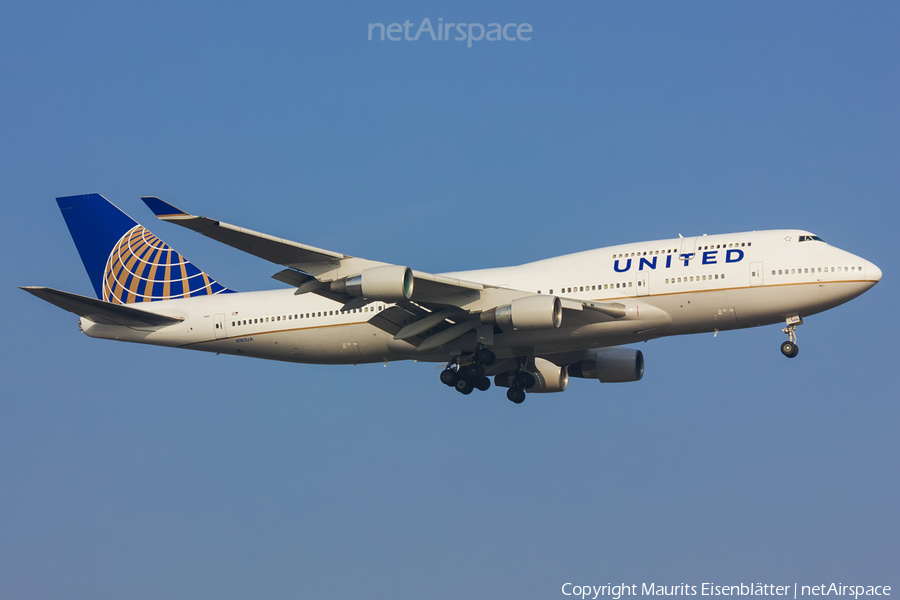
x: 485, y: 357
x: 449, y: 377
x: 525, y: 380
x: 463, y: 386
x: 790, y: 349
x: 483, y: 383
x: 476, y: 371
x: 515, y: 395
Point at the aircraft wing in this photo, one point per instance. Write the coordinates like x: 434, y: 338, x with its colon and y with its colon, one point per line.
x: 322, y: 265
x: 268, y: 247
x: 99, y: 311
x: 445, y: 307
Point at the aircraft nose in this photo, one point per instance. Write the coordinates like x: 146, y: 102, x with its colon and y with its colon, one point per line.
x: 873, y: 273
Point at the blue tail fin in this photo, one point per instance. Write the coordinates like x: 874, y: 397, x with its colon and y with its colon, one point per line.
x: 127, y: 263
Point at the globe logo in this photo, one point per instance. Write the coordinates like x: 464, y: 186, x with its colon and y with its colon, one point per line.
x: 143, y: 268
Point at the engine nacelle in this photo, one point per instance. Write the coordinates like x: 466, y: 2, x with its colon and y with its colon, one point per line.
x: 611, y: 365
x: 390, y: 283
x: 530, y: 312
x: 548, y: 378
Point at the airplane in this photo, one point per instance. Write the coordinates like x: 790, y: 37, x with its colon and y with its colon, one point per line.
x: 531, y: 327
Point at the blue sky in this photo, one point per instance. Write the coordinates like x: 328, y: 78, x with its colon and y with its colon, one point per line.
x: 140, y: 472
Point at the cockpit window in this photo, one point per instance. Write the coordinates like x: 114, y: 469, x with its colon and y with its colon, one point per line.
x: 811, y: 238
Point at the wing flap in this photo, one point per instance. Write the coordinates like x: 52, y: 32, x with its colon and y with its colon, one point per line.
x: 98, y: 311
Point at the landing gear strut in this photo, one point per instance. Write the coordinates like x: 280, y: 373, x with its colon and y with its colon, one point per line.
x: 790, y: 348
x: 467, y: 373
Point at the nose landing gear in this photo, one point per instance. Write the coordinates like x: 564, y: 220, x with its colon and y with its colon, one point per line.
x: 790, y: 348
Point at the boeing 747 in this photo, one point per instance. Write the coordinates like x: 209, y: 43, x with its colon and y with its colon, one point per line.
x: 531, y: 327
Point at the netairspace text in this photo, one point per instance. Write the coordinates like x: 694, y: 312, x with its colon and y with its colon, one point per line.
x: 712, y: 589
x: 458, y: 32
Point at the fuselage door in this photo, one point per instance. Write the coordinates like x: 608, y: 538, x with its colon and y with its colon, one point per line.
x: 642, y: 284
x: 687, y: 248
x: 756, y: 273
x: 219, y: 321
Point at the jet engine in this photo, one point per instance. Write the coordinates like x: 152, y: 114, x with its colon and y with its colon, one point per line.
x: 547, y: 378
x: 389, y: 283
x: 611, y: 365
x: 530, y: 312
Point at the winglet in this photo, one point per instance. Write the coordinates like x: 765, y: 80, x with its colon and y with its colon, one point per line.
x: 163, y: 210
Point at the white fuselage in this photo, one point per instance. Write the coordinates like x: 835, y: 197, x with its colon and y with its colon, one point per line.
x: 730, y: 281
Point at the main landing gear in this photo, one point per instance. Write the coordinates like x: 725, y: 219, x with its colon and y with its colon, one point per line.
x: 519, y: 381
x: 467, y: 373
x: 790, y: 348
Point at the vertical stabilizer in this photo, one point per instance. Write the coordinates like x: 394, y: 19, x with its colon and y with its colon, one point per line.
x: 125, y: 262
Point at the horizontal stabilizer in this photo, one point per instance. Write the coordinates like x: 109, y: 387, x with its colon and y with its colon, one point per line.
x: 98, y: 311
